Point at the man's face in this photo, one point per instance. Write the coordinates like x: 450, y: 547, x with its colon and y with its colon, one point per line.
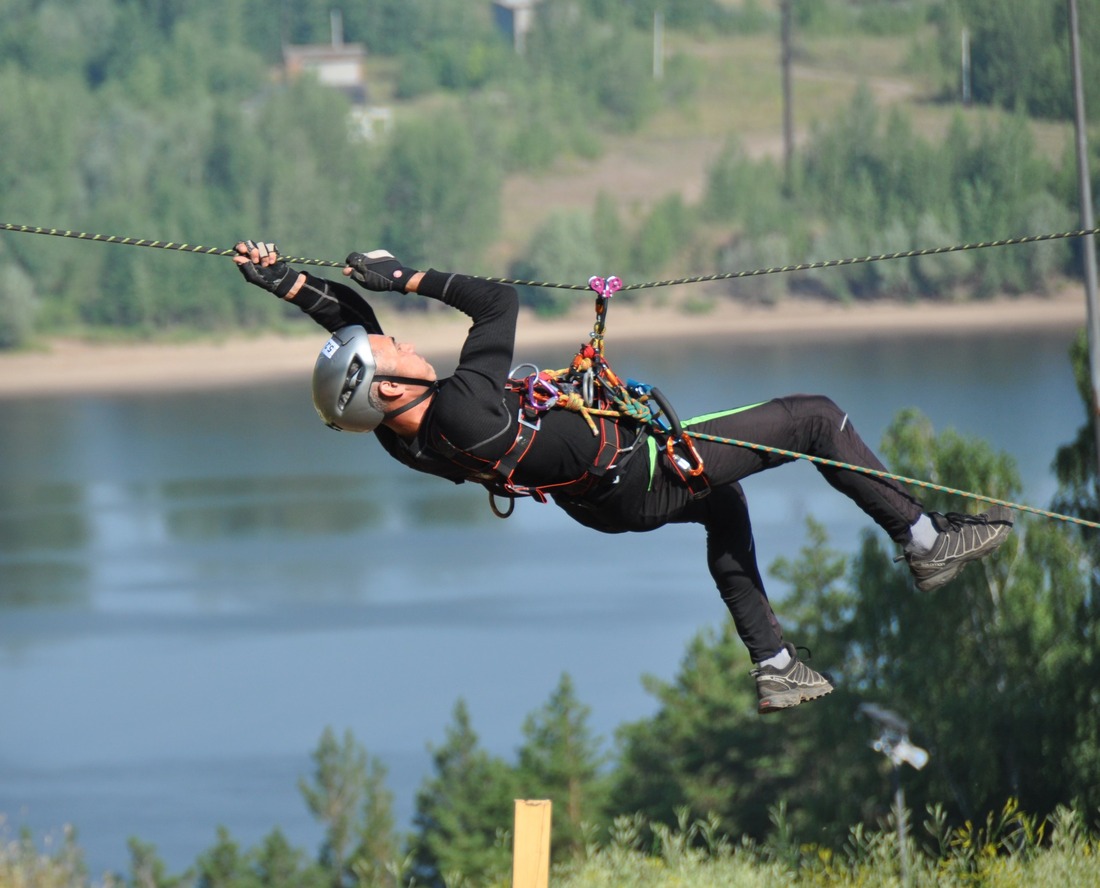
x: 399, y: 358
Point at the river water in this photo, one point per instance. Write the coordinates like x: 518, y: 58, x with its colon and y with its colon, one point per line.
x: 194, y: 585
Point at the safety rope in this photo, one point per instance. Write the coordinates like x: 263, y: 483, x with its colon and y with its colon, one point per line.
x: 725, y: 276
x: 879, y: 473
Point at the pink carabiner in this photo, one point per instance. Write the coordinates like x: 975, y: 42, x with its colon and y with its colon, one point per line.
x: 605, y: 288
x: 542, y: 394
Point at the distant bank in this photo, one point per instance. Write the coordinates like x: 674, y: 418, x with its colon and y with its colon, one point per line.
x: 73, y: 367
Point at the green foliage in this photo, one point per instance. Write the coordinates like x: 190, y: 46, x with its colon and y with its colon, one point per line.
x: 441, y: 201
x: 705, y: 750
x: 1010, y: 849
x: 460, y: 812
x: 560, y: 760
x: 334, y: 797
x: 1008, y: 639
x: 601, y: 70
x: 18, y: 305
x: 563, y: 250
x: 867, y: 185
x: 1019, y: 51
x: 149, y: 119
x: 997, y: 641
x: 161, y: 120
x: 348, y: 795
x: 1075, y: 463
x: 664, y: 232
x: 23, y: 864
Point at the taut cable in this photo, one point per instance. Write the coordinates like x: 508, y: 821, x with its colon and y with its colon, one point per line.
x: 725, y: 276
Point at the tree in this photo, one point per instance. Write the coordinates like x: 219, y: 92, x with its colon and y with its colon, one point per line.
x: 1075, y: 464
x: 561, y: 760
x: 277, y: 864
x: 375, y: 858
x: 334, y: 796
x: 1019, y: 52
x: 225, y: 866
x: 990, y: 667
x: 463, y: 811
x: 996, y: 672
x: 441, y: 192
x: 705, y: 749
x: 147, y: 868
x: 565, y: 249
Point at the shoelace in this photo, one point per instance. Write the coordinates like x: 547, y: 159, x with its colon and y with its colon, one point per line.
x: 956, y: 520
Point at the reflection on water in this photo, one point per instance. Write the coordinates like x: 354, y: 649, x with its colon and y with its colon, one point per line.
x: 307, y: 506
x: 192, y: 586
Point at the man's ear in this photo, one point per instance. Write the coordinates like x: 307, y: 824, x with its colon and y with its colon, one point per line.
x: 390, y: 389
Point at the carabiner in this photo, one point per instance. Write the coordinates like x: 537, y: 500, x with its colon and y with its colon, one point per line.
x: 542, y: 394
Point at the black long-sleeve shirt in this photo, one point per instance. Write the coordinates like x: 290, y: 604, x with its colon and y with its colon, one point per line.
x: 472, y: 411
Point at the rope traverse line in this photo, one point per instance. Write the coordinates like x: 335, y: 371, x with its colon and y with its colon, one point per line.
x: 827, y: 263
x: 725, y: 276
x: 160, y: 245
x: 878, y: 473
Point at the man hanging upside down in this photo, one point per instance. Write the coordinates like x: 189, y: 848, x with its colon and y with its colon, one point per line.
x: 613, y: 474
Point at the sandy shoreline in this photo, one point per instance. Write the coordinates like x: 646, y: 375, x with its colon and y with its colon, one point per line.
x: 82, y: 368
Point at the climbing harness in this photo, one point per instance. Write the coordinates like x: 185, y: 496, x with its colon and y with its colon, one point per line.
x: 589, y: 387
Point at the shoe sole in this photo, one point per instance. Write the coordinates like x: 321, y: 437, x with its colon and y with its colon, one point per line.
x: 781, y: 700
x: 940, y: 578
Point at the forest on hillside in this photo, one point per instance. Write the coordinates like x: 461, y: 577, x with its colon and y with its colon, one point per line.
x: 174, y: 122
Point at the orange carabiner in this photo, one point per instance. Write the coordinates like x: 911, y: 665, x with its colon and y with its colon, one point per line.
x: 694, y: 459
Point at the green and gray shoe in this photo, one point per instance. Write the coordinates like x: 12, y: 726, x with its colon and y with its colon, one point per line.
x: 784, y: 688
x: 962, y: 538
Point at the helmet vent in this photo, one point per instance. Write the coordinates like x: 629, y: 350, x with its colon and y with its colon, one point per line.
x: 352, y: 382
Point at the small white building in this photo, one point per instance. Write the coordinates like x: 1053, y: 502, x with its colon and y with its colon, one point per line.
x: 337, y: 64
x: 515, y: 18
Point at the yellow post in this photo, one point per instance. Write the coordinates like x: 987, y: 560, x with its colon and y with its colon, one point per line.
x: 531, y: 848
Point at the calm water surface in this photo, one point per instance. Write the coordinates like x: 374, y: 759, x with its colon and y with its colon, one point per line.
x: 193, y: 586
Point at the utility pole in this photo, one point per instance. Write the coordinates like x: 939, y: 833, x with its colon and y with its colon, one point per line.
x: 788, y: 114
x: 965, y: 40
x: 658, y: 45
x: 1088, y: 221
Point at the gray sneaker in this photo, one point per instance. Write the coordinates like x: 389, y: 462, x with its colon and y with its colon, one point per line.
x: 787, y: 687
x: 962, y: 538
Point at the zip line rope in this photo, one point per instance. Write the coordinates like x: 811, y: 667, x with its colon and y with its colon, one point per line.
x: 778, y: 269
x: 805, y: 266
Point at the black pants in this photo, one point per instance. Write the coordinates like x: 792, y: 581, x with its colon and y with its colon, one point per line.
x: 650, y: 494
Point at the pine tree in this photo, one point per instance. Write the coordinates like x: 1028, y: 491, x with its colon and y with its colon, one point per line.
x: 561, y: 760
x: 464, y: 812
x: 349, y: 797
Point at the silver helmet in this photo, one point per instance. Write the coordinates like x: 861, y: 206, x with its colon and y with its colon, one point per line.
x: 342, y: 379
x: 345, y: 370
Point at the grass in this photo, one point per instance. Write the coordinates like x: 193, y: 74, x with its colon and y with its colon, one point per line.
x: 1010, y: 850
